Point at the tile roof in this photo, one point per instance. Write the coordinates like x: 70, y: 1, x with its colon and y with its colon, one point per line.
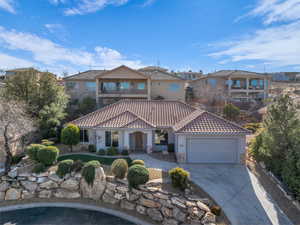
x: 151, y: 114
x: 87, y: 75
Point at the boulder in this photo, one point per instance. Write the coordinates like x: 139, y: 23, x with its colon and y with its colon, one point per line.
x: 29, y: 186
x: 122, y: 189
x: 13, y: 194
x: 111, y: 186
x: 55, y: 178
x: 148, y: 195
x: 4, y: 185
x: 161, y: 196
x: 167, y: 212
x: 127, y: 205
x: 2, y: 196
x: 166, y: 203
x: 202, y: 206
x: 49, y: 185
x: 45, y: 194
x: 27, y: 195
x: 170, y: 222
x: 13, y: 173
x: 96, y: 190
x: 178, y: 202
x: 131, y: 197
x: 110, y: 199
x: 178, y: 215
x: 141, y: 209
x: 208, y: 218
x: 70, y: 184
x: 149, y: 203
x: 42, y: 180
x: 61, y: 193
x: 155, y: 214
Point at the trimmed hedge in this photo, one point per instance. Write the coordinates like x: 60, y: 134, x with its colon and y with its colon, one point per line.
x: 86, y: 158
x: 64, y: 167
x: 138, y: 162
x: 32, y: 150
x: 112, y: 151
x: 137, y: 175
x: 179, y: 178
x: 88, y: 171
x: 119, y: 168
x: 47, y: 155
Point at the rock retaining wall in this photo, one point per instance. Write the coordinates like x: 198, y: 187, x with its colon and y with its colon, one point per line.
x: 149, y: 200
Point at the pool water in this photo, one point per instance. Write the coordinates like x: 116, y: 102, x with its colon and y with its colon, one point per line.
x: 59, y: 216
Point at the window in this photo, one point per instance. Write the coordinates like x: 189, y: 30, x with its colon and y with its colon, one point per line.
x: 141, y: 86
x: 84, y: 136
x: 161, y: 137
x: 111, y: 138
x: 110, y: 86
x: 124, y: 85
x: 71, y: 85
x: 212, y: 82
x: 91, y: 86
x: 174, y: 87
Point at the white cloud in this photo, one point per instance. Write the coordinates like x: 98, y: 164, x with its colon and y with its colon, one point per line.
x: 148, y: 2
x: 7, y: 5
x: 54, y: 27
x: 56, y: 2
x: 49, y: 54
x: 277, y: 10
x: 8, y: 62
x: 91, y: 6
x: 277, y: 45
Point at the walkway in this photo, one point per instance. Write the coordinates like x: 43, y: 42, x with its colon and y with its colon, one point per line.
x: 234, y: 188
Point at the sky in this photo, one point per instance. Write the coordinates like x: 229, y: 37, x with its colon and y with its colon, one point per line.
x: 68, y: 36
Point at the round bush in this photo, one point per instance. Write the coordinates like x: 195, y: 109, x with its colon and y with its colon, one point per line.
x: 137, y: 175
x: 92, y: 148
x: 32, y: 150
x: 179, y: 178
x: 112, y: 151
x: 138, y: 162
x: 77, y: 166
x: 39, y: 168
x: 88, y: 171
x: 101, y: 152
x: 47, y: 155
x: 46, y: 142
x: 64, y: 167
x: 119, y: 168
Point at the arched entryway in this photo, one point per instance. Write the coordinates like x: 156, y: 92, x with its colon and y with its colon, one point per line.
x: 138, y: 141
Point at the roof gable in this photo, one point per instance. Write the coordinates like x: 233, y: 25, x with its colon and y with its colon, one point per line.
x: 122, y: 72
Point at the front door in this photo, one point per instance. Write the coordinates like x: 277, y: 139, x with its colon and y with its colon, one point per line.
x: 139, y: 141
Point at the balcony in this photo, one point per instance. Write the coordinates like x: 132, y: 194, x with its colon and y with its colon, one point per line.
x: 124, y: 91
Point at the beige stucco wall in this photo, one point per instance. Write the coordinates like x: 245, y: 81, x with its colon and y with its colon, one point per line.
x: 80, y: 90
x: 162, y: 88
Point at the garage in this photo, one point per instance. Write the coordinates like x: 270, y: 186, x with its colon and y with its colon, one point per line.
x: 212, y: 150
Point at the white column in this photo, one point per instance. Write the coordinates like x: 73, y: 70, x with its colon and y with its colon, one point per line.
x: 97, y: 92
x: 149, y: 88
x: 126, y: 140
x: 149, y: 142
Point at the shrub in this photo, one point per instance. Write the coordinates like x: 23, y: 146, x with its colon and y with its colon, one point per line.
x: 119, y: 168
x: 88, y: 171
x: 171, y: 147
x: 32, y: 150
x: 179, y: 178
x: 70, y: 135
x: 77, y: 166
x: 253, y: 126
x: 17, y: 158
x: 64, y: 167
x: 39, y: 168
x: 216, y: 210
x: 92, y: 148
x: 231, y: 112
x: 47, y: 155
x: 46, y: 142
x: 138, y: 162
x: 101, y: 152
x: 112, y: 151
x: 125, y: 152
x: 137, y: 175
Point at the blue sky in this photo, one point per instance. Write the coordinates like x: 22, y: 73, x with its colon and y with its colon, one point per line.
x: 77, y: 35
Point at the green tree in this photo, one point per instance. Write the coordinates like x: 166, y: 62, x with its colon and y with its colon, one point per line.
x: 87, y: 105
x: 231, y: 112
x: 45, y: 99
x: 70, y: 135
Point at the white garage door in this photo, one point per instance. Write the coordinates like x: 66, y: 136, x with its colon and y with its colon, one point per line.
x: 211, y: 150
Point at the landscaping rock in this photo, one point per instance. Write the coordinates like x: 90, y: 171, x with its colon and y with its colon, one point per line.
x: 2, y: 196
x: 70, y: 184
x: 13, y: 194
x: 61, y: 193
x: 178, y: 202
x: 45, y: 194
x: 127, y: 205
x: 55, y: 178
x: 178, y: 215
x: 29, y: 186
x: 13, y: 173
x: 161, y: 196
x: 96, y: 190
x: 131, y: 197
x: 170, y: 222
x: 149, y: 203
x: 49, y: 185
x: 109, y: 199
x: 167, y: 212
x: 208, y: 218
x: 141, y: 209
x: 202, y: 206
x: 27, y: 195
x: 42, y: 180
x: 155, y: 214
x: 4, y: 185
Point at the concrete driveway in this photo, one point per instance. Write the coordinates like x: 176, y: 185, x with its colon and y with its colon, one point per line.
x: 234, y: 188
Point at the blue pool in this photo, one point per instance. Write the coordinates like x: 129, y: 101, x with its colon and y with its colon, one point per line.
x: 59, y: 216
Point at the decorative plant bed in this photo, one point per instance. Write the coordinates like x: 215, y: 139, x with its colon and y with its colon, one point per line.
x: 105, y: 160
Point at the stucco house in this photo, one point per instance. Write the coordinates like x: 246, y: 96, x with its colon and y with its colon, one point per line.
x: 151, y: 125
x: 109, y: 86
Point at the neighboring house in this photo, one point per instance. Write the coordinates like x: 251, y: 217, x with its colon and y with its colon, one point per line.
x: 232, y: 84
x: 190, y: 75
x: 109, y: 86
x: 151, y: 125
x: 285, y: 76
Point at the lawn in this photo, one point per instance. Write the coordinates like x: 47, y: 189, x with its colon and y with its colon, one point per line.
x: 86, y: 158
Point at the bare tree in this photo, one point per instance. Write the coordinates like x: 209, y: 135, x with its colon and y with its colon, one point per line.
x: 14, y: 124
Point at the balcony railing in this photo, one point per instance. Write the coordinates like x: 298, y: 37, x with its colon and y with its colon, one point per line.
x: 124, y: 91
